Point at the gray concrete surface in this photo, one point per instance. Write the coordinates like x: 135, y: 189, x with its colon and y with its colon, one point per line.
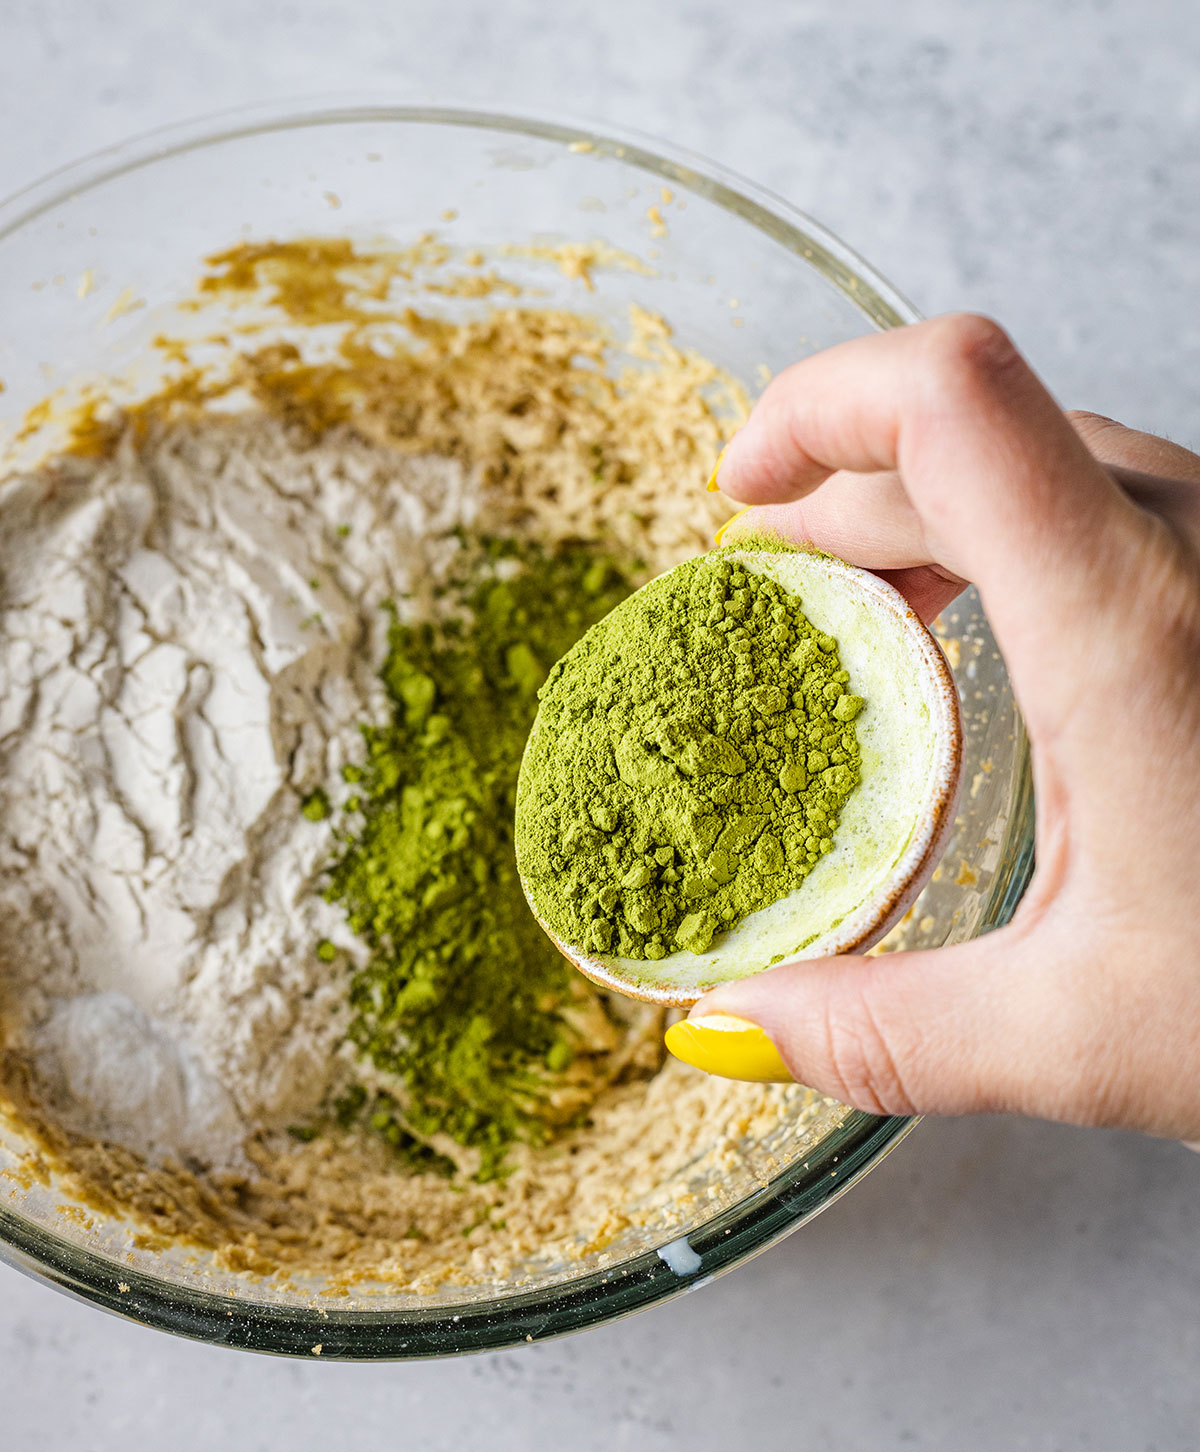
x: 993, y: 1285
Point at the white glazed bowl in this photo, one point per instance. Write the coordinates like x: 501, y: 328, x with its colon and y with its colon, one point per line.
x: 894, y: 827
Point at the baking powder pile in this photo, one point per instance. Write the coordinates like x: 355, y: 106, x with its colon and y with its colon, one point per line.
x: 189, y: 635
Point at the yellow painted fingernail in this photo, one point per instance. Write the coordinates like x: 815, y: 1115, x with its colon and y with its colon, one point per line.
x: 730, y: 1047
x: 720, y: 534
x: 713, y: 486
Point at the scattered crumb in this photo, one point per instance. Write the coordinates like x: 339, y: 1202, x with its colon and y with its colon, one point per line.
x: 127, y: 302
x: 481, y: 285
x: 578, y: 260
x: 87, y: 282
x: 334, y: 200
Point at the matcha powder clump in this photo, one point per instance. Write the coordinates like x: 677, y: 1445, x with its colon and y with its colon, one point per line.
x: 464, y: 1011
x: 690, y: 762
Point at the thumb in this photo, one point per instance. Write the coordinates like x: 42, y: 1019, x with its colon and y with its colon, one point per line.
x: 977, y: 1028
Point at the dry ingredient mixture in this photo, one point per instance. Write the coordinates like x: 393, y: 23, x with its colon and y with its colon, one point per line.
x: 240, y: 625
x: 690, y: 759
x: 188, y: 651
x: 488, y: 1033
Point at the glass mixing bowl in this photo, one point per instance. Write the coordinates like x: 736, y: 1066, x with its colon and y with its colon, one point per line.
x: 94, y: 259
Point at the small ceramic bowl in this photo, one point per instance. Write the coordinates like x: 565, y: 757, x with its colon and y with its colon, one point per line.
x: 895, y: 825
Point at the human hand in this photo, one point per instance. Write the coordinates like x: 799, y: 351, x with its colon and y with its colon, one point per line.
x: 933, y: 455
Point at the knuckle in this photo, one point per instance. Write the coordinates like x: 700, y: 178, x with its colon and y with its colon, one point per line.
x: 863, y: 1060
x: 970, y: 348
x: 1082, y: 1077
x: 1087, y: 1085
x: 1092, y: 427
x: 1115, y: 444
x: 1086, y: 418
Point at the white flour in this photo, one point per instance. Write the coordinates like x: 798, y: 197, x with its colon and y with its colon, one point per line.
x: 189, y: 635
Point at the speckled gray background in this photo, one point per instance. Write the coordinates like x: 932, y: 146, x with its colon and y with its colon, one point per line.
x: 993, y: 1285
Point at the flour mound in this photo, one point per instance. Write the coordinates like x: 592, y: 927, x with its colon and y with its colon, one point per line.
x: 189, y: 634
x: 131, y: 1081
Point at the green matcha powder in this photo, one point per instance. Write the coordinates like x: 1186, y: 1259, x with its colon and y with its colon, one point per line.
x: 690, y: 762
x: 691, y: 756
x: 463, y: 1001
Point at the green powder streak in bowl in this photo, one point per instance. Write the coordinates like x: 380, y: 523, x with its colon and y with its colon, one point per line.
x: 464, y: 1000
x: 689, y: 765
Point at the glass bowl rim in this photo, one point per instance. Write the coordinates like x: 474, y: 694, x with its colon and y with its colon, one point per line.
x: 753, y: 1224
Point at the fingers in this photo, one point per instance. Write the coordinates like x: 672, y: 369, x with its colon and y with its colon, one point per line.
x: 1113, y: 443
x: 864, y: 518
x: 1159, y: 475
x: 927, y: 588
x: 867, y: 520
x: 1042, y: 1017
x: 1003, y: 489
x: 978, y: 1028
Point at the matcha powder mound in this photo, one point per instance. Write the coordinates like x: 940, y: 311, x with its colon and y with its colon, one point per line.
x: 464, y: 1006
x: 690, y: 761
